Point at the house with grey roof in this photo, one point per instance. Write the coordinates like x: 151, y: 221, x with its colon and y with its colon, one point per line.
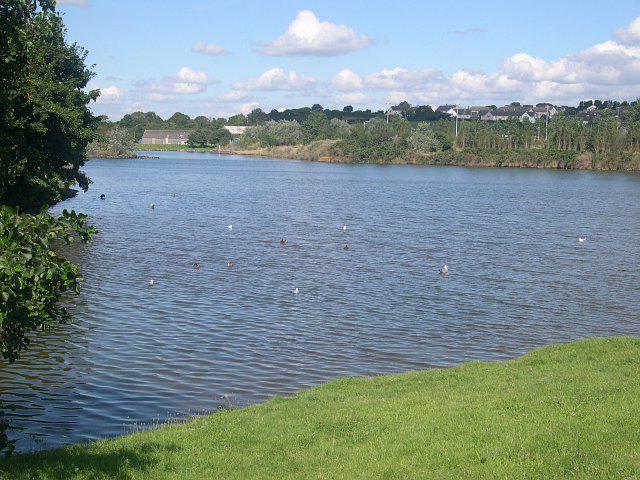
x: 165, y: 137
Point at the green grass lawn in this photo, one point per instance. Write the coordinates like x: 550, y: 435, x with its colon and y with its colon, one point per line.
x: 564, y: 411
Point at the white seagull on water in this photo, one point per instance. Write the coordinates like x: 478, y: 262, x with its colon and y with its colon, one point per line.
x: 151, y: 282
x: 444, y: 270
x: 582, y: 239
x: 344, y: 227
x: 230, y: 227
x: 296, y: 291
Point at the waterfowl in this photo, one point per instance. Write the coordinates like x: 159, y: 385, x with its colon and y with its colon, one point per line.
x: 151, y: 282
x: 296, y: 291
x: 344, y: 227
x: 230, y: 227
x: 152, y: 206
x: 444, y: 270
x: 283, y: 241
x: 229, y: 264
x: 582, y: 239
x: 346, y: 247
x: 102, y: 196
x: 196, y: 265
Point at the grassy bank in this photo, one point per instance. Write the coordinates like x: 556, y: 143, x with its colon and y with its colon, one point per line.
x: 326, y: 151
x: 565, y: 411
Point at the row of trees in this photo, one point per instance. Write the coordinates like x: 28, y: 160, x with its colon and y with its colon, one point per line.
x: 45, y: 127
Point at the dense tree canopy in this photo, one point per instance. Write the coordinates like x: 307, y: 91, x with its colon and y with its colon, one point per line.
x: 45, y: 123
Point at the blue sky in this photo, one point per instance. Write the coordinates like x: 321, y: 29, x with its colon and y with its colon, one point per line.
x: 220, y: 57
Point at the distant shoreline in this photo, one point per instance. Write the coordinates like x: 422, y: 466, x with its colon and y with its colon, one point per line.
x: 322, y: 151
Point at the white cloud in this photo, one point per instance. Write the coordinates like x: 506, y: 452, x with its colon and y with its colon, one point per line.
x: 352, y: 97
x: 307, y: 35
x: 347, y: 79
x: 185, y: 82
x: 277, y: 79
x: 110, y: 94
x: 402, y: 78
x: 631, y: 34
x: 608, y: 69
x: 234, y: 96
x: 76, y: 3
x: 247, y: 107
x: 209, y: 49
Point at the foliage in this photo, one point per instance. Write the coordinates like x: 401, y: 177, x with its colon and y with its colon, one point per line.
x: 198, y: 138
x: 376, y: 141
x: 32, y: 275
x: 423, y: 139
x: 316, y: 127
x: 45, y: 123
x: 564, y: 411
x: 112, y: 142
x: 257, y: 117
x: 285, y: 132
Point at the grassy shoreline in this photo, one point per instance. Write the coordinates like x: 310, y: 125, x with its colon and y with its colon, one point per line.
x: 323, y: 151
x: 563, y: 411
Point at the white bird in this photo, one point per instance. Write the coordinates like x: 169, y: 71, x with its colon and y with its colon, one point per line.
x: 444, y: 270
x: 152, y: 206
x: 230, y: 227
x: 151, y: 282
x: 296, y: 291
x: 582, y: 239
x: 344, y: 227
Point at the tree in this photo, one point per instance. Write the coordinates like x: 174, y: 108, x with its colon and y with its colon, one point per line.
x: 237, y: 120
x: 316, y: 107
x: 423, y: 139
x: 316, y: 127
x: 114, y: 141
x: 179, y: 120
x: 198, y: 138
x: 257, y: 117
x: 45, y: 122
x: 45, y: 127
x: 347, y: 109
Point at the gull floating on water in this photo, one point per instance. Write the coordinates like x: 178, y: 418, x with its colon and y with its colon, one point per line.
x: 102, y: 196
x: 344, y: 227
x: 229, y: 264
x: 230, y: 227
x: 296, y: 291
x: 152, y: 206
x: 444, y: 270
x: 582, y: 239
x: 151, y: 282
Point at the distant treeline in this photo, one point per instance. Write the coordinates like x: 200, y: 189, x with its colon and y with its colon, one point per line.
x: 374, y: 137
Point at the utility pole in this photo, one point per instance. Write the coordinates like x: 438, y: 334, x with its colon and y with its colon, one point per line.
x: 457, y: 108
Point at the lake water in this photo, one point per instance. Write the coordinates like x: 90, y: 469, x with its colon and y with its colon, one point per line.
x: 199, y: 339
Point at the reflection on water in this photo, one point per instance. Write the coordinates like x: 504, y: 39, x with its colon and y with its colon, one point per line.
x: 202, y: 338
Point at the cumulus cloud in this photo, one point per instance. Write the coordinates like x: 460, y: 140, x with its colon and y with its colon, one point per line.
x: 277, y: 79
x: 608, y: 69
x: 631, y: 34
x: 307, y: 35
x: 75, y: 3
x: 347, y: 79
x: 209, y: 49
x: 352, y: 97
x: 110, y: 94
x: 185, y: 82
x: 234, y: 96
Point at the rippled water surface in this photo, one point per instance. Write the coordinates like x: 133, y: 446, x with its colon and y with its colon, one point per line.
x: 215, y: 336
